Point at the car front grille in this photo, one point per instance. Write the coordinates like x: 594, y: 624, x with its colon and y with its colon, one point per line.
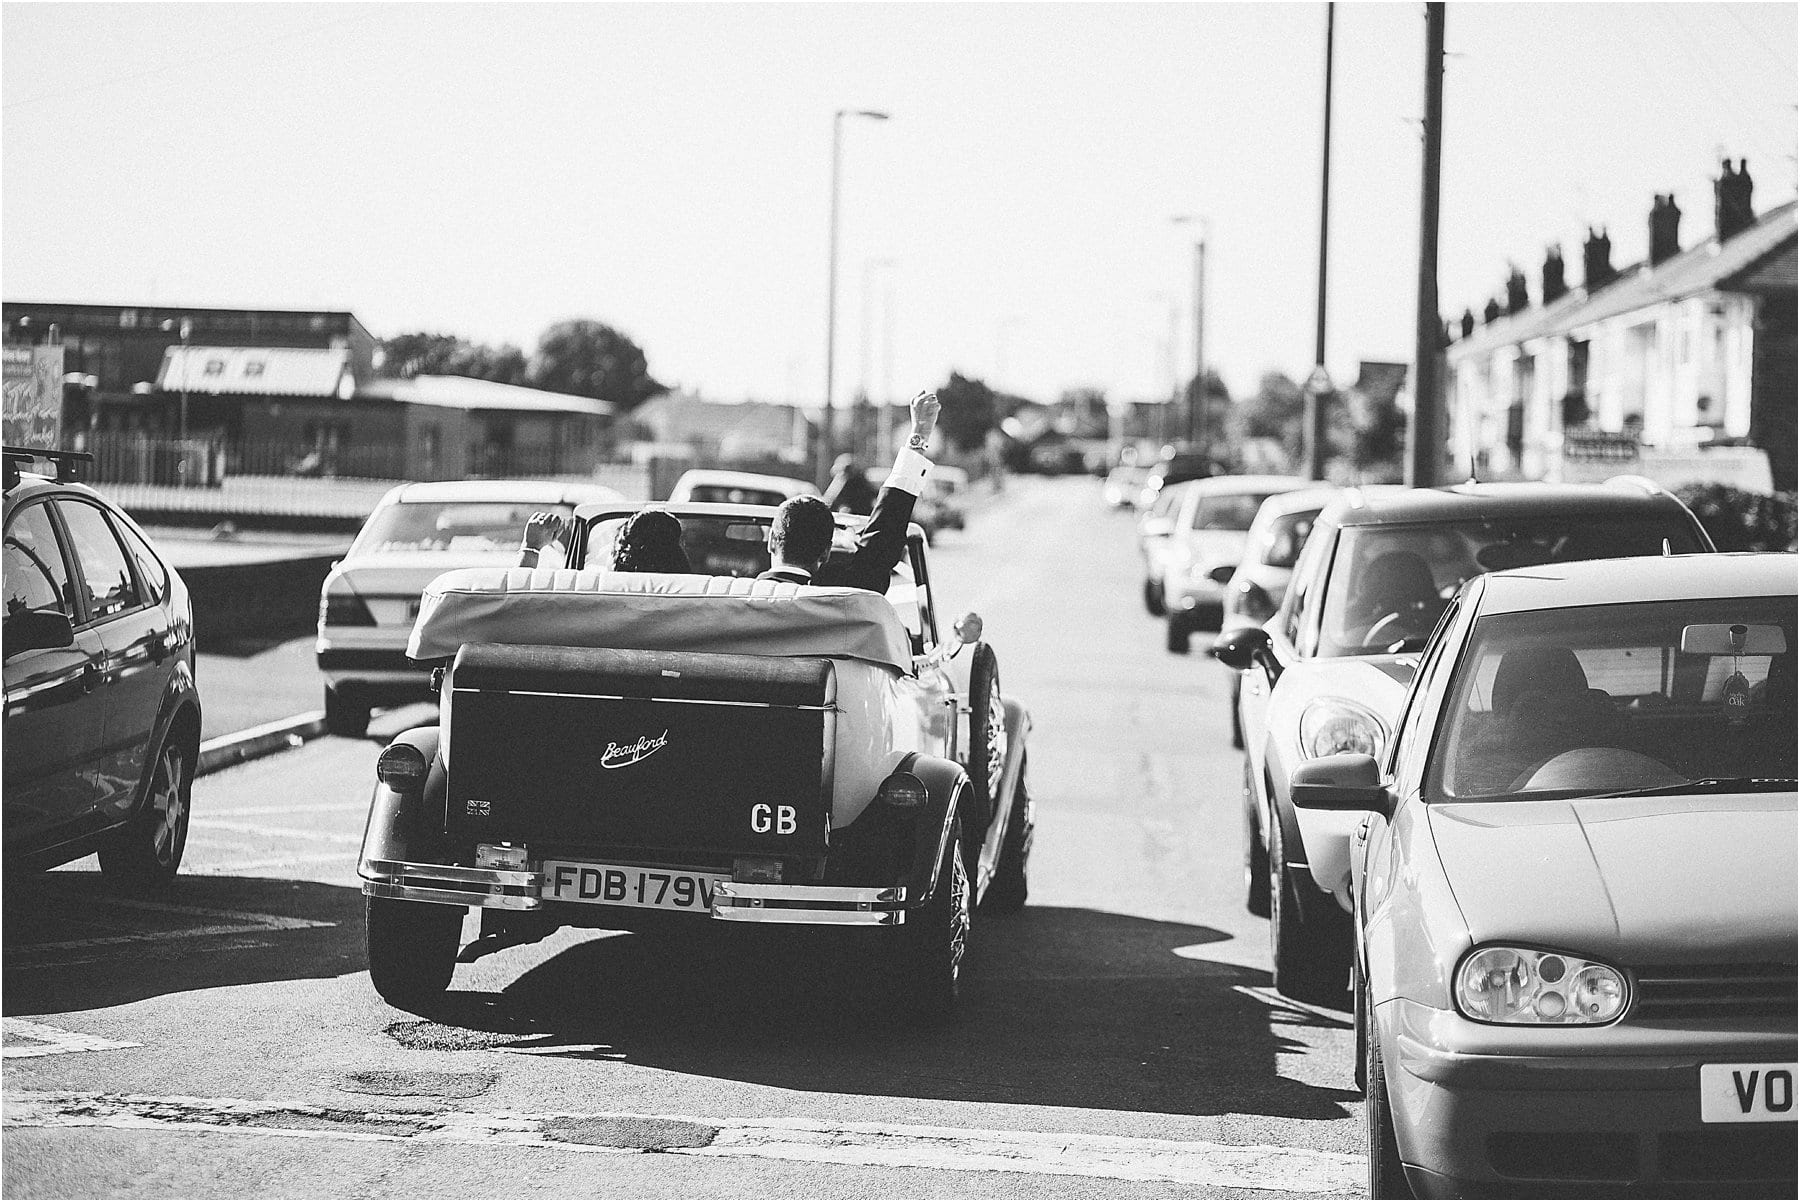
x: 1716, y: 991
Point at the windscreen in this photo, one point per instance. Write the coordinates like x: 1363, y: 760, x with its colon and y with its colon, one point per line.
x: 455, y: 526
x: 1615, y: 698
x: 730, y: 494
x: 1227, y: 510
x: 1389, y: 584
x: 1286, y: 535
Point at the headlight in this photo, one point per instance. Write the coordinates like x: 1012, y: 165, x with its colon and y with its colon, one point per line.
x: 1333, y: 726
x: 1518, y: 985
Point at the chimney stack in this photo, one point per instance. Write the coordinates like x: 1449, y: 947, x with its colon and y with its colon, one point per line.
x: 1596, y: 260
x: 1665, y: 229
x: 1468, y: 322
x: 1732, y: 210
x: 1518, y: 294
x: 1555, y: 286
x: 1491, y: 314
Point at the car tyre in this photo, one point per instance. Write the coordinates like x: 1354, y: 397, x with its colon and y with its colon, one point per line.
x: 1178, y: 634
x: 412, y: 948
x: 146, y: 852
x: 927, y: 973
x: 1309, y: 955
x: 1237, y: 719
x: 1153, y: 599
x: 1256, y: 854
x: 1007, y: 891
x: 1387, y: 1175
x: 343, y: 716
x: 987, y: 738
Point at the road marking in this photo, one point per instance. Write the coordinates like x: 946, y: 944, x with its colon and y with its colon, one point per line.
x: 952, y: 1149
x: 51, y: 1041
x: 274, y: 832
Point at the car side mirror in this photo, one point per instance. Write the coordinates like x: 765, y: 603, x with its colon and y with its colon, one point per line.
x: 35, y: 630
x: 1158, y: 527
x: 1350, y: 781
x: 1241, y: 648
x: 968, y: 628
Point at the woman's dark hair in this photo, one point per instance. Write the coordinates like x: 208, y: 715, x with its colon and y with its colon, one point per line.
x: 650, y: 541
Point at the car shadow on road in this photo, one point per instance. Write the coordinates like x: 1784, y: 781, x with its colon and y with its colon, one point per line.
x: 76, y: 942
x: 1062, y: 1007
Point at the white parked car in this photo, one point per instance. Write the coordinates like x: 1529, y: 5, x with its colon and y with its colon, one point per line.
x: 708, y: 487
x: 1209, y: 528
x: 417, y: 532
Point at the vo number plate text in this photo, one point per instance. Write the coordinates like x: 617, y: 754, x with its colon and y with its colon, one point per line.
x: 625, y: 885
x: 1747, y: 1093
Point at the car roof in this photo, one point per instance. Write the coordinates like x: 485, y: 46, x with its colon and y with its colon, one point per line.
x: 34, y: 484
x: 1298, y: 500
x: 704, y: 475
x: 1646, y: 578
x: 524, y: 492
x: 1247, y: 484
x: 1367, y: 506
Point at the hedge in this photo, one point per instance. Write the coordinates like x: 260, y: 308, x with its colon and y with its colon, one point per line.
x: 1739, y: 520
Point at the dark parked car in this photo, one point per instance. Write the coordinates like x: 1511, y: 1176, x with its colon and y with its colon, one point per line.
x: 1326, y: 674
x: 102, y: 728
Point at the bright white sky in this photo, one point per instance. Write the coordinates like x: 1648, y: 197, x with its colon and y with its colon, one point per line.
x: 486, y: 170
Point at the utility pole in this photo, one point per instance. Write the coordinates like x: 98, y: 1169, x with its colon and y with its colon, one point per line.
x: 1197, y: 411
x: 1318, y: 385
x: 1425, y: 433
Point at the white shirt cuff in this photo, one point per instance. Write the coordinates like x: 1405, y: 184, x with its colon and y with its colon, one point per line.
x: 910, y: 471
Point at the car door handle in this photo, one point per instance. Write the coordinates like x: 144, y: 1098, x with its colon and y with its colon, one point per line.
x: 158, y: 646
x: 90, y: 677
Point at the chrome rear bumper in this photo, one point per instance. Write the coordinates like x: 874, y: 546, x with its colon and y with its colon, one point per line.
x: 733, y: 901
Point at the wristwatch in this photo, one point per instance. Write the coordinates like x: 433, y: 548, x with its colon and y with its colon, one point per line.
x: 916, y: 442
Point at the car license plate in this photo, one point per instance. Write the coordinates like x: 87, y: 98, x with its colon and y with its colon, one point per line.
x: 625, y: 885
x: 1747, y: 1093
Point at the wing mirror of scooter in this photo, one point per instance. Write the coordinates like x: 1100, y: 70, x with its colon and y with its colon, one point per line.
x: 968, y: 628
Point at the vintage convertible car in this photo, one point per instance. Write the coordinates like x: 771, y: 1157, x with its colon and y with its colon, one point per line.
x: 1574, y: 888
x: 632, y: 751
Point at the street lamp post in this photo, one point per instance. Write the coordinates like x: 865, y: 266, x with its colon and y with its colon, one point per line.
x: 1196, y: 415
x: 837, y: 154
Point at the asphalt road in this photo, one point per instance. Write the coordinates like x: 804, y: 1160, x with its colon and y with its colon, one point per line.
x: 1120, y: 1038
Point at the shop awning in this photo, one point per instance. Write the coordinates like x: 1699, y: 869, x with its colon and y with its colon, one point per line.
x: 257, y: 370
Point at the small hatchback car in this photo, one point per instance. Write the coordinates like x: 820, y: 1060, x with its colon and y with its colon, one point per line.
x: 102, y: 728
x: 1574, y: 888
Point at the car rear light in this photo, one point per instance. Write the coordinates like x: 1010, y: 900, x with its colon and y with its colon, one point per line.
x: 1336, y: 725
x: 903, y: 791
x: 1254, y: 602
x: 402, y: 768
x: 345, y: 609
x: 1524, y: 986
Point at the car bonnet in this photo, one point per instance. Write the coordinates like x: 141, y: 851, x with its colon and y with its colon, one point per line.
x: 1687, y: 879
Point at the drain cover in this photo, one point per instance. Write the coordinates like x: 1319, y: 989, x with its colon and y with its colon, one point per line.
x: 429, y: 1085
x: 648, y: 1134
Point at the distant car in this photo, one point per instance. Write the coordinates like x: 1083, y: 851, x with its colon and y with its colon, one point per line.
x: 1176, y: 467
x: 1124, y: 486
x: 1207, y: 536
x: 709, y: 487
x: 417, y: 531
x: 102, y: 730
x: 1154, y: 526
x: 943, y: 504
x: 1260, y: 582
x: 1327, y: 673
x: 1574, y: 888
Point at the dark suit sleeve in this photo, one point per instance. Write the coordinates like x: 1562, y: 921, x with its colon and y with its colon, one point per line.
x: 879, y: 547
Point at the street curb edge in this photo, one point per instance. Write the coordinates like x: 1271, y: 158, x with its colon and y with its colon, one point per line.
x: 258, y: 741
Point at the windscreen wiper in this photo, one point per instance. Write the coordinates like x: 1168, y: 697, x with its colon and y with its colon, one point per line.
x: 1712, y: 784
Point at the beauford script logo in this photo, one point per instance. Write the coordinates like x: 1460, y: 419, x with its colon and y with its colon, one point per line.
x: 623, y: 755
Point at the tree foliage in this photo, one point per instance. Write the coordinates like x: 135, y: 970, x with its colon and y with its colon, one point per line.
x: 421, y: 354
x: 589, y: 358
x: 969, y: 409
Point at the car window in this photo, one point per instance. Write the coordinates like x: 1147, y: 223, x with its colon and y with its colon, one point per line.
x: 1608, y: 698
x: 1389, y: 584
x: 1430, y: 668
x: 36, y: 578
x: 456, y: 526
x: 1226, y: 511
x: 1302, y: 600
x: 152, y: 573
x: 1286, y: 535
x: 103, y: 570
x: 731, y: 494
x: 1166, y: 499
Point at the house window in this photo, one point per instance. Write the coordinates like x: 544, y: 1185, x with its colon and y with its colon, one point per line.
x: 128, y: 319
x: 254, y: 368
x: 215, y: 367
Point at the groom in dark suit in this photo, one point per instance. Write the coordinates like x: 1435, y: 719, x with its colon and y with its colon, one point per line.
x: 800, y: 536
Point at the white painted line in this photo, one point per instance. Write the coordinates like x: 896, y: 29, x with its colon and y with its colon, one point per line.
x: 234, y: 922
x: 229, y: 867
x: 52, y: 1041
x: 1264, y: 1167
x: 273, y: 922
x: 273, y: 832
